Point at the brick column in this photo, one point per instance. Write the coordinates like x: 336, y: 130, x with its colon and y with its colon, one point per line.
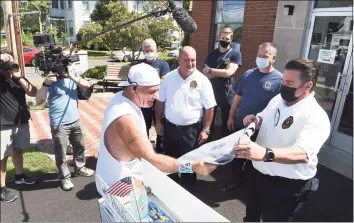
x: 202, y: 14
x: 258, y: 27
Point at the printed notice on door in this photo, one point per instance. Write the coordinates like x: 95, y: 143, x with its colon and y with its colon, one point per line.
x: 326, y: 56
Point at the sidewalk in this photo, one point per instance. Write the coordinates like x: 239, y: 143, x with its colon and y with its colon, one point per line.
x: 91, y: 115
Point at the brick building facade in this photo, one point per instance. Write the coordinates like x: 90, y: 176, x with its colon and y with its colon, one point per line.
x: 310, y: 30
x: 258, y: 27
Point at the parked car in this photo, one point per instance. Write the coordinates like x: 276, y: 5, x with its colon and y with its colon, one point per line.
x: 174, y: 53
x: 125, y: 56
x: 28, y: 54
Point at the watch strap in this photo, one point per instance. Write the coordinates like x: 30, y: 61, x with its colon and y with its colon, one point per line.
x: 45, y: 85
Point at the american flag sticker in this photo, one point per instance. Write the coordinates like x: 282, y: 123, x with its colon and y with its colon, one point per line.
x: 123, y: 188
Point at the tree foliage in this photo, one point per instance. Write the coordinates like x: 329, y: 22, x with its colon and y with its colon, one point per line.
x: 130, y: 36
x: 187, y: 37
x: 88, y: 30
x: 2, y: 22
x: 100, y: 14
x: 30, y: 23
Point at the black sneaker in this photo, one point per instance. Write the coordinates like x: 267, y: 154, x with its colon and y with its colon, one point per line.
x: 6, y: 195
x: 24, y: 179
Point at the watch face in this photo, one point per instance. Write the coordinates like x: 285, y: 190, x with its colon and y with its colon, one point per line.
x: 270, y: 155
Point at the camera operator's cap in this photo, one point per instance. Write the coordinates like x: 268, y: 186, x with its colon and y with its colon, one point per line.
x: 143, y: 75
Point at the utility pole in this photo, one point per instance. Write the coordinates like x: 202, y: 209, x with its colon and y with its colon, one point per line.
x: 10, y: 31
x: 18, y: 36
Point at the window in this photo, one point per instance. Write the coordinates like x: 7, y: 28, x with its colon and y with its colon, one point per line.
x: 70, y: 4
x: 26, y: 50
x: 231, y: 13
x: 85, y: 5
x: 333, y: 3
x: 71, y: 28
x: 55, y: 4
x: 62, y: 4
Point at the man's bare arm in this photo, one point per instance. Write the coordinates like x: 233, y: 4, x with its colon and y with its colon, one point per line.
x: 138, y: 144
x: 42, y: 95
x: 234, y: 106
x: 159, y: 110
x: 228, y: 72
x: 28, y: 87
x: 208, y: 117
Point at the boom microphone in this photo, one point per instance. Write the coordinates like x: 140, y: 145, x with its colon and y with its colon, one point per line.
x: 183, y: 19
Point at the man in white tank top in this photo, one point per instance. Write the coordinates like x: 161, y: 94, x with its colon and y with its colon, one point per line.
x: 124, y: 138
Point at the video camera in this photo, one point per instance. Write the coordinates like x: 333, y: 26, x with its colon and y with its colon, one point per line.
x: 52, y: 59
x: 5, y: 67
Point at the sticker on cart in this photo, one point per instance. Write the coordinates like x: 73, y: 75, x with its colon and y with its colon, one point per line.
x: 156, y: 214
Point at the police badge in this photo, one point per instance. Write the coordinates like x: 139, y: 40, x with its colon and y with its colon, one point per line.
x: 193, y: 85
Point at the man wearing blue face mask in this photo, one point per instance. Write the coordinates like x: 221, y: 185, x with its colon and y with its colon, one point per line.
x: 162, y: 68
x: 253, y: 91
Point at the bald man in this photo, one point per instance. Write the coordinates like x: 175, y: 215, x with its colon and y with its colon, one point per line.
x: 187, y: 101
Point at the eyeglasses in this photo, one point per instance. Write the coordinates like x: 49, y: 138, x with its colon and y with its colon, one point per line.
x: 276, y: 117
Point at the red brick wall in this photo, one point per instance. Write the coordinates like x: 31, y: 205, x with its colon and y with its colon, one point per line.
x: 202, y: 14
x: 258, y: 27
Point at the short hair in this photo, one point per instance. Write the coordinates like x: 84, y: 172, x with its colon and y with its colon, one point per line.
x: 226, y: 29
x: 308, y: 69
x: 273, y: 49
x: 149, y: 43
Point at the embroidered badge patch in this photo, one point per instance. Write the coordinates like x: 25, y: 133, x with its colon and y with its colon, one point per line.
x: 193, y: 85
x: 267, y: 85
x: 287, y: 122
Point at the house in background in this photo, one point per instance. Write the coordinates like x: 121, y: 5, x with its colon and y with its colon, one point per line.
x: 74, y: 14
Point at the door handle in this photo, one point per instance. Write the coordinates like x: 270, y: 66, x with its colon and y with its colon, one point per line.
x: 337, y: 82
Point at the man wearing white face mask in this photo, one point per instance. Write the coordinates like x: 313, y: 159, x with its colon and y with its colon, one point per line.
x: 253, y: 91
x: 162, y: 68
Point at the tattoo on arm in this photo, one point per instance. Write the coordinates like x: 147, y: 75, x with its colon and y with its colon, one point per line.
x: 130, y: 141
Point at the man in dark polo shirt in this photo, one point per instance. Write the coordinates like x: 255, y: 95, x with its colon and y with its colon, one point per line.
x: 14, y: 112
x: 220, y: 67
x: 162, y: 68
x: 254, y: 90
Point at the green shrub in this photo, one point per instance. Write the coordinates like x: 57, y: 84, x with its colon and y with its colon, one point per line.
x: 172, y: 61
x: 97, y: 72
x: 27, y: 39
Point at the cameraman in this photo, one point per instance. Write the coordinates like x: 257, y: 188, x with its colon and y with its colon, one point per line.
x: 65, y: 123
x: 15, y: 135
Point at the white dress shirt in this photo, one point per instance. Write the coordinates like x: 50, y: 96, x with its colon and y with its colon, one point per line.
x: 185, y: 99
x: 304, y: 124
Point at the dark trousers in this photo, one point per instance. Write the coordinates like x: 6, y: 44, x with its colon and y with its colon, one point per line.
x: 62, y: 135
x: 238, y: 164
x: 219, y: 128
x: 179, y: 140
x: 273, y: 198
x: 149, y: 115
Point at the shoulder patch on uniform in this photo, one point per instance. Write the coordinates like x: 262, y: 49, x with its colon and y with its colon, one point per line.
x: 193, y: 85
x: 287, y: 122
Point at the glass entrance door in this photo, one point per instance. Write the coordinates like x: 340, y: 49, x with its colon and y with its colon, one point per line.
x: 331, y: 45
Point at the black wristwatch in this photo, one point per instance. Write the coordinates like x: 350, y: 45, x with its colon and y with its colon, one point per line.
x: 45, y: 85
x: 269, y: 155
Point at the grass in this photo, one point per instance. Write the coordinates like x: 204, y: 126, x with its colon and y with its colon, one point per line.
x: 37, y: 107
x: 35, y: 163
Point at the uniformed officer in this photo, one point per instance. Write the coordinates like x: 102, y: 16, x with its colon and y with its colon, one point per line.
x: 220, y: 66
x: 292, y: 129
x: 186, y: 98
x: 253, y: 91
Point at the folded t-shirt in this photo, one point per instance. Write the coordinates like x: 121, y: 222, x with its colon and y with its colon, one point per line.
x: 220, y: 151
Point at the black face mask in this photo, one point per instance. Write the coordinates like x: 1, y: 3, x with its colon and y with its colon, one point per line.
x: 288, y: 93
x: 224, y: 43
